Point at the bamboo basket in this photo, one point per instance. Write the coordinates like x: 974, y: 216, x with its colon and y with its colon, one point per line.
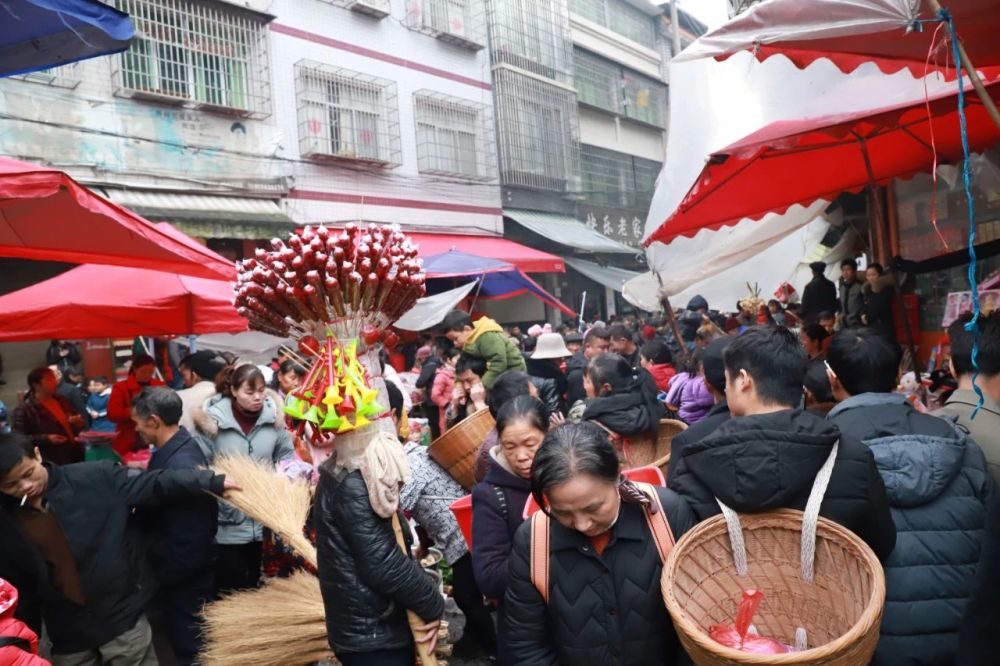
x: 456, y: 450
x: 841, y: 609
x: 643, y: 451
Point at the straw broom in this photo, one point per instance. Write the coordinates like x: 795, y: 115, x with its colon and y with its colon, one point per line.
x: 271, y: 499
x: 283, y: 622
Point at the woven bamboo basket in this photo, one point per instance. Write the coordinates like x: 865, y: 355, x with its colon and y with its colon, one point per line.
x: 456, y: 450
x: 841, y: 610
x: 642, y: 451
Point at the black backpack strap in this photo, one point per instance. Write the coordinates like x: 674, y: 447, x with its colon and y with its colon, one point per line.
x: 502, y: 500
x: 17, y: 642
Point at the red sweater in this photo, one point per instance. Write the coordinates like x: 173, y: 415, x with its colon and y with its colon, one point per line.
x: 662, y: 374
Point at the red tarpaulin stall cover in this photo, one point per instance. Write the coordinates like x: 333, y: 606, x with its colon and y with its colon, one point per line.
x: 46, y: 215
x: 801, y: 161
x: 850, y: 33
x: 113, y: 301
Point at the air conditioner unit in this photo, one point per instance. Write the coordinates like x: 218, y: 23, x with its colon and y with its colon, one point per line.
x: 375, y: 8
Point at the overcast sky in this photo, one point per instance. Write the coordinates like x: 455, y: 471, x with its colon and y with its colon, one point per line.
x: 710, y: 12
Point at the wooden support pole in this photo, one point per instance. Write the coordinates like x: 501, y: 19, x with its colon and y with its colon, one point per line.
x: 977, y: 83
x: 427, y: 658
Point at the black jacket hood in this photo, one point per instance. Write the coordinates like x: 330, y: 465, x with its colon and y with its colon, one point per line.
x: 757, y: 463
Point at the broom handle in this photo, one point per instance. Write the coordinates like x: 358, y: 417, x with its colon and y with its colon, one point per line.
x: 427, y: 658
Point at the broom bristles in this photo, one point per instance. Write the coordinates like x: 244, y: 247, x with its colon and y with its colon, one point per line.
x: 271, y: 499
x: 283, y: 622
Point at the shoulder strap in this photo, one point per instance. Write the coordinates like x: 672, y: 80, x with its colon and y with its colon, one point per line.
x: 502, y: 501
x: 16, y: 641
x: 658, y: 523
x: 540, y: 554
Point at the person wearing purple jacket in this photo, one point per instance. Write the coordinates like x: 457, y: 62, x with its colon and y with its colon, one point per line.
x: 498, y: 500
x: 696, y: 400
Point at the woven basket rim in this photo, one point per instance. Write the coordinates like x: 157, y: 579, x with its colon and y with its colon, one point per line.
x: 468, y: 423
x: 870, y: 618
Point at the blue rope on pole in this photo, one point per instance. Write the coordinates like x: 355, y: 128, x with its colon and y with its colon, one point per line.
x: 972, y: 326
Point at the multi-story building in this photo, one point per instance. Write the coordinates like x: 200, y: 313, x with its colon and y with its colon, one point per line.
x: 237, y: 121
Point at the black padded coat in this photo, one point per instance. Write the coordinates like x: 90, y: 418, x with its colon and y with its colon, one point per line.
x: 603, y: 610
x: 368, y: 584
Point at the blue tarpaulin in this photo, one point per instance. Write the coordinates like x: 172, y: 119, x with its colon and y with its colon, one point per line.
x: 39, y: 34
x: 456, y: 263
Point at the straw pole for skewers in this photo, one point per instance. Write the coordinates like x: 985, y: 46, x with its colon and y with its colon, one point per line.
x: 427, y: 658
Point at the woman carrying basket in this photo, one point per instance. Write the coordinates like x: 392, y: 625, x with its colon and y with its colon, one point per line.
x: 592, y: 596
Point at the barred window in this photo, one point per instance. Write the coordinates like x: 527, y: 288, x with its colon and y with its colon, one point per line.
x: 459, y: 22
x: 645, y: 99
x: 210, y: 55
x: 614, y: 88
x: 532, y: 35
x: 598, y: 81
x: 454, y: 136
x: 346, y: 115
x: 539, y: 130
x: 615, y: 179
x: 620, y: 17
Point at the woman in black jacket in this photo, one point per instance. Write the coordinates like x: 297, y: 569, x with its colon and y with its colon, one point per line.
x: 604, y: 604
x: 621, y: 399
x: 498, y: 501
x: 368, y: 583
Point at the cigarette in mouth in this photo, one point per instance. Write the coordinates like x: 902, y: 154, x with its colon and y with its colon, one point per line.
x: 24, y: 499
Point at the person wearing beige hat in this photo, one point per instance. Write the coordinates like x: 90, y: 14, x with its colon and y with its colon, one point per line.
x: 547, y: 360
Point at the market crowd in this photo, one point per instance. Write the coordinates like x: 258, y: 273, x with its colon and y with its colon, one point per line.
x: 94, y: 549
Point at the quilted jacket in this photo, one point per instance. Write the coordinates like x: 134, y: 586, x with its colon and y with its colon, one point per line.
x: 769, y: 461
x: 603, y: 610
x: 939, y: 490
x: 490, y: 343
x: 367, y: 582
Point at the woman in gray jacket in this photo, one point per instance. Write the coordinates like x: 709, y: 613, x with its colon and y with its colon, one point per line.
x: 242, y: 419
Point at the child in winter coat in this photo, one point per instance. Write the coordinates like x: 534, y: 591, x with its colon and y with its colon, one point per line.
x: 656, y: 358
x: 444, y: 385
x: 97, y: 404
x: 689, y: 395
x: 18, y: 643
x: 486, y: 340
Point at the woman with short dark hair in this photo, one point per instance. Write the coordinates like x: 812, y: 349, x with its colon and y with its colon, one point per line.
x: 600, y: 602
x: 49, y: 419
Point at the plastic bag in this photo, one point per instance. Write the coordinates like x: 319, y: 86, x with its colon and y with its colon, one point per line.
x: 741, y: 636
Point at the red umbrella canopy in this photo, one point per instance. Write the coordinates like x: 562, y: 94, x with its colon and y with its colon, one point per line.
x: 46, y: 215
x: 801, y: 161
x: 96, y: 301
x: 850, y: 33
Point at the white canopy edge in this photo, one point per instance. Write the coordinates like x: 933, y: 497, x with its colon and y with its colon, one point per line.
x: 430, y: 311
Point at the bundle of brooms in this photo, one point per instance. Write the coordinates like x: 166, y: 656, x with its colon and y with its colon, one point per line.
x: 283, y: 622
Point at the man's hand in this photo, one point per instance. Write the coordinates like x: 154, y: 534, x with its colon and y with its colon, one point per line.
x: 228, y: 486
x: 458, y: 396
x: 556, y: 419
x: 428, y: 635
x: 478, y: 394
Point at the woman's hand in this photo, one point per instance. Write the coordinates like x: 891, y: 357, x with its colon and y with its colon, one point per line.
x: 56, y: 439
x: 556, y: 419
x: 428, y: 635
x: 76, y: 421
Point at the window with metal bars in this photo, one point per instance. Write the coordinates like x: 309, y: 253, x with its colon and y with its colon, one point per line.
x: 532, y: 35
x: 645, y: 98
x: 346, y: 115
x: 615, y: 179
x: 206, y: 54
x: 539, y: 132
x: 609, y: 86
x: 66, y: 76
x: 456, y: 21
x: 598, y: 81
x: 454, y: 136
x: 375, y: 8
x: 620, y: 17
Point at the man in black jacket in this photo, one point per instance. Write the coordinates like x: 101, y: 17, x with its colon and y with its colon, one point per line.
x: 767, y: 456
x: 597, y: 341
x: 182, y: 548
x: 713, y: 362
x: 368, y: 583
x: 623, y: 344
x: 820, y: 295
x: 76, y: 520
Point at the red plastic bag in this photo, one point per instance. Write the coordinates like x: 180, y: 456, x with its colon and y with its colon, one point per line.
x: 739, y: 636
